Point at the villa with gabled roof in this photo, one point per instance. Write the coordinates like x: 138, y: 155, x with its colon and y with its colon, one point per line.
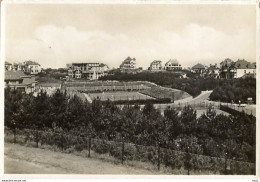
x: 156, y: 65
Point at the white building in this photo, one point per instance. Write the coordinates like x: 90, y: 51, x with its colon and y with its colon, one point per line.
x: 128, y: 64
x: 244, y: 67
x: 156, y: 65
x: 91, y: 71
x: 32, y: 67
x: 172, y: 65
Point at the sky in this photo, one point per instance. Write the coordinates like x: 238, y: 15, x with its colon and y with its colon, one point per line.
x: 57, y: 34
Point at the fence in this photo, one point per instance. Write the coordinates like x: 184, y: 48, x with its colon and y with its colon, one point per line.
x: 94, y: 89
x: 235, y: 110
x: 193, y: 105
x: 125, y: 152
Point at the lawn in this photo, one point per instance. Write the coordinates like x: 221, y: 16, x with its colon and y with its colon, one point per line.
x: 163, y: 92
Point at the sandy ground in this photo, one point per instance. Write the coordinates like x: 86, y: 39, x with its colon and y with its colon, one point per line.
x: 25, y: 160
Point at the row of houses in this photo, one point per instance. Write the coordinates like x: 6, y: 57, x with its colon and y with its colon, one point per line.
x: 93, y: 71
x: 227, y: 69
x: 171, y: 65
x: 29, y: 67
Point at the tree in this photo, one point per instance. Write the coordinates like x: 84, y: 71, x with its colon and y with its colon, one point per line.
x: 75, y: 113
x: 58, y: 108
x: 39, y: 114
x: 188, y: 120
x: 12, y: 107
x: 172, y: 123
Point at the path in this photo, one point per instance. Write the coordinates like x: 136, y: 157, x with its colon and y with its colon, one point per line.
x: 200, y: 98
x: 88, y: 98
x: 25, y: 160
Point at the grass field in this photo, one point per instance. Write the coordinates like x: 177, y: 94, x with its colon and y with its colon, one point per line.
x: 114, y: 96
x: 162, y: 93
x: 116, y: 91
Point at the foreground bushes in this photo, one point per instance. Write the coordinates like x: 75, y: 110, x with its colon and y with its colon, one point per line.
x: 235, y: 90
x: 70, y: 120
x: 170, y: 158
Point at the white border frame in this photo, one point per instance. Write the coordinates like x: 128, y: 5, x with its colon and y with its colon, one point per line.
x: 150, y: 177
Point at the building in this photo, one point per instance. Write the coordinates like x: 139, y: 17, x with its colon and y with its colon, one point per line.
x: 172, y: 65
x: 244, y: 67
x: 227, y: 69
x: 198, y: 68
x: 230, y: 69
x: 212, y: 71
x: 32, y: 67
x: 18, y: 67
x: 128, y: 64
x: 90, y: 71
x: 17, y: 80
x: 8, y: 66
x: 156, y: 65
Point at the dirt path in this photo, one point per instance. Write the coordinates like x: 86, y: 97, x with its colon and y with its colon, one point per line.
x: 25, y: 160
x: 88, y: 98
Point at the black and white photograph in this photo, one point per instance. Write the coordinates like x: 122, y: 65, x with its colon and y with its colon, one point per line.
x: 130, y: 87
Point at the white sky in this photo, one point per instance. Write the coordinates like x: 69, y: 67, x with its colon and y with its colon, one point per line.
x: 57, y: 34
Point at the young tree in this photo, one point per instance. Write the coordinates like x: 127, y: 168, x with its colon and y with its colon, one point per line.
x: 58, y: 108
x: 39, y: 114
x: 11, y: 110
x: 173, y: 124
x: 188, y: 120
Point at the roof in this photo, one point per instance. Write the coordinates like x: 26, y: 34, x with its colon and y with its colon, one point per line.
x: 28, y: 80
x: 7, y: 63
x: 14, y: 75
x: 102, y: 65
x: 213, y: 67
x: 198, y: 66
x: 92, y: 64
x: 19, y: 64
x: 127, y: 61
x: 31, y: 63
x: 50, y: 85
x: 172, y: 61
x: 243, y: 64
x: 156, y: 62
x: 226, y: 61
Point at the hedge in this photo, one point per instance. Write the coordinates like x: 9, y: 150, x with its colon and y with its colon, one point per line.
x: 170, y: 158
